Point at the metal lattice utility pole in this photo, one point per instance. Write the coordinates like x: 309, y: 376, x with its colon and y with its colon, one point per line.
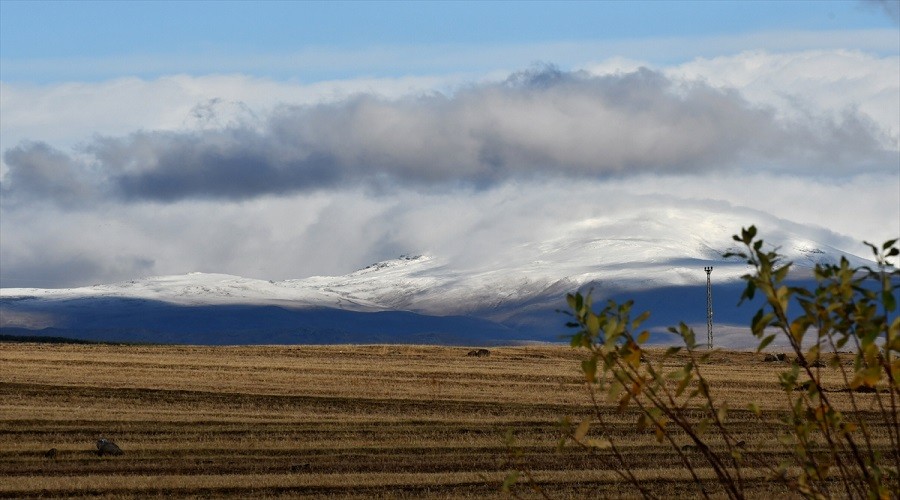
x: 709, y: 334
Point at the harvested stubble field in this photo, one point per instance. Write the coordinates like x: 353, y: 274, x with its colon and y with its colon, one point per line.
x: 329, y: 421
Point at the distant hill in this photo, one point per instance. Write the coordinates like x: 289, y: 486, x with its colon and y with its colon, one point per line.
x: 657, y: 260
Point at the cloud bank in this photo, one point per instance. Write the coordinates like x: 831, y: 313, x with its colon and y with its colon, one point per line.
x: 338, y: 231
x: 108, y: 181
x: 542, y: 123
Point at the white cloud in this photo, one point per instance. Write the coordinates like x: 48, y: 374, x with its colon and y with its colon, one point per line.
x: 810, y: 82
x: 336, y: 230
x: 68, y: 113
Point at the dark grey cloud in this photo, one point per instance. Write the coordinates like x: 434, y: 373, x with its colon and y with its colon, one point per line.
x: 538, y: 123
x: 53, y: 267
x: 890, y: 8
x: 44, y: 173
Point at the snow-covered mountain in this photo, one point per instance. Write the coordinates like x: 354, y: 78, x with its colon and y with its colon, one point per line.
x: 656, y: 258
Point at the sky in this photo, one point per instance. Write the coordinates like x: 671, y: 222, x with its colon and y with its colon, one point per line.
x: 281, y: 140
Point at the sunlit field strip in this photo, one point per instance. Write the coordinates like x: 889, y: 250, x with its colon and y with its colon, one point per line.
x: 292, y: 418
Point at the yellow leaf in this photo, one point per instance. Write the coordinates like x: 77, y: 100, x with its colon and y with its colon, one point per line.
x: 582, y: 429
x: 782, y: 295
x: 722, y: 412
x: 600, y: 443
x: 872, y: 376
x: 623, y: 403
x: 634, y: 357
x: 643, y: 337
x: 660, y: 433
x: 798, y: 329
x: 642, y: 422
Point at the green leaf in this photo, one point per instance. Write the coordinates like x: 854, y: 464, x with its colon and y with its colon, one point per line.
x: 890, y: 302
x: 702, y: 426
x: 689, y: 337
x: 783, y: 297
x: 760, y: 321
x: 611, y: 327
x: 510, y: 480
x: 748, y: 234
x: 592, y: 324
x: 682, y: 385
x: 589, y: 367
x: 509, y: 437
x: 577, y: 339
x: 781, y: 273
x: 753, y: 407
x: 765, y: 342
x: 672, y: 351
x: 640, y: 320
x: 749, y: 292
x: 812, y: 355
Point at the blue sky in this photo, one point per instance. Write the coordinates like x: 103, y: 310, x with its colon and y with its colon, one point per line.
x: 286, y: 139
x: 58, y: 41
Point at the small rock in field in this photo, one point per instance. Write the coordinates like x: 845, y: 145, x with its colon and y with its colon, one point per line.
x: 51, y: 453
x: 479, y: 352
x: 107, y: 447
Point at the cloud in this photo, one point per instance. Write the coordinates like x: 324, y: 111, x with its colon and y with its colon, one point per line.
x: 541, y: 123
x: 220, y: 173
x: 47, y: 174
x: 53, y: 269
x: 338, y: 231
x: 67, y: 114
x: 825, y: 83
x: 890, y: 8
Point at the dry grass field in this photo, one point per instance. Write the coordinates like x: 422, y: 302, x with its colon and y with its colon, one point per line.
x: 329, y: 421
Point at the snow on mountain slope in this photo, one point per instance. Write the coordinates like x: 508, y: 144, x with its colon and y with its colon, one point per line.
x: 188, y: 289
x: 656, y: 257
x: 644, y: 251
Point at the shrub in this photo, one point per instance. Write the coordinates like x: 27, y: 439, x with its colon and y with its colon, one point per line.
x: 831, y: 452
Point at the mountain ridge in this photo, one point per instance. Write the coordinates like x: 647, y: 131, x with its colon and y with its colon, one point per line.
x: 514, y: 294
